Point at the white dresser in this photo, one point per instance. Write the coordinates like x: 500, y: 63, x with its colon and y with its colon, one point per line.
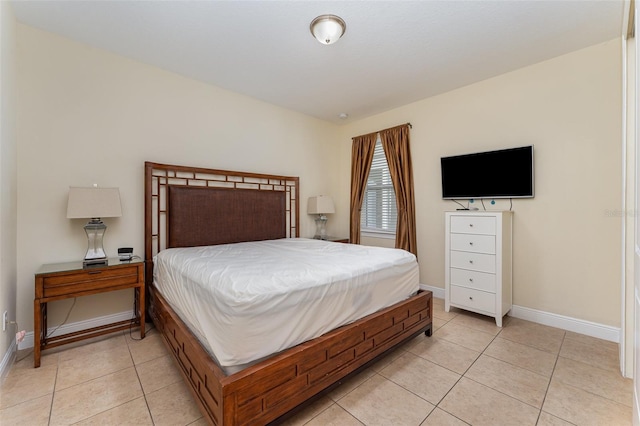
x: 478, y: 270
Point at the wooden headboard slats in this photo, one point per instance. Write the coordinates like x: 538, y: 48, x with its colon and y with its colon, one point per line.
x: 207, y: 207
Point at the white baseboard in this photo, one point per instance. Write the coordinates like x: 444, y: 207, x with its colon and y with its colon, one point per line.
x: 437, y: 291
x: 7, y: 361
x: 588, y: 328
x: 78, y: 326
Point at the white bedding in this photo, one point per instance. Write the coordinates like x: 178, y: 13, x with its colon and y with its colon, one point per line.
x: 245, y: 301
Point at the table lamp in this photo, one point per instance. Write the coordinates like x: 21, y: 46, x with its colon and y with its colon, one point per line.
x: 94, y: 203
x: 320, y: 205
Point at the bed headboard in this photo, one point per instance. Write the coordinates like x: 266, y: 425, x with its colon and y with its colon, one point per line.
x: 192, y: 206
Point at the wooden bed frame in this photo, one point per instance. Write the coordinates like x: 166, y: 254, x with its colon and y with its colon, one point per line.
x: 186, y: 206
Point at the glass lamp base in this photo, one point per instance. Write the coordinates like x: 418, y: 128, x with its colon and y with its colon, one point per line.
x: 321, y: 229
x: 95, y: 255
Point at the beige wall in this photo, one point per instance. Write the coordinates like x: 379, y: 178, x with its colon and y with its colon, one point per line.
x: 87, y: 116
x: 567, y: 240
x: 8, y: 173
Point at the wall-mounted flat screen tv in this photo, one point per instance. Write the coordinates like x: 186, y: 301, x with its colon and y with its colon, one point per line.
x: 506, y: 173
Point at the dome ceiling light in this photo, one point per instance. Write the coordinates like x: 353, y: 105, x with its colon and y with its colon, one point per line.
x: 328, y: 29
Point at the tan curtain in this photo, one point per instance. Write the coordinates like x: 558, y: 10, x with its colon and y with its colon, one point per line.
x: 395, y: 142
x: 361, y: 157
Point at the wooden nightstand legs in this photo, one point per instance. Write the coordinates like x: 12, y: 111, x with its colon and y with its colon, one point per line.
x: 39, y: 324
x: 139, y: 309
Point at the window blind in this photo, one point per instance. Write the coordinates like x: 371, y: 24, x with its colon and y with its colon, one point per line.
x: 379, y: 212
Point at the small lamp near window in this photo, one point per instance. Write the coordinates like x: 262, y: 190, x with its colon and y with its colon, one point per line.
x: 321, y: 205
x: 94, y: 203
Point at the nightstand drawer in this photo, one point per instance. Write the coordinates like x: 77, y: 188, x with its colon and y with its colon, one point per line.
x: 473, y: 225
x: 56, y: 285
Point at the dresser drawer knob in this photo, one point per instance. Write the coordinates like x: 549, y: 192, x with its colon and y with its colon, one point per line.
x: 470, y: 298
x: 471, y: 261
x: 471, y: 243
x: 470, y: 280
x: 471, y: 225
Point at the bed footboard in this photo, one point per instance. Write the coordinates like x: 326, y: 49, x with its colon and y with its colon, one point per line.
x: 265, y: 391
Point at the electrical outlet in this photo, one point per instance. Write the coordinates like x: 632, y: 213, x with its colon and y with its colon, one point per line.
x: 5, y: 320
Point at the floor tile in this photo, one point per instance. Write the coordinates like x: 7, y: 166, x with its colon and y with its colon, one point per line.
x: 334, y: 416
x: 149, y: 348
x: 597, y: 355
x: 583, y: 408
x: 130, y: 413
x: 446, y: 354
x: 464, y: 336
x: 477, y: 322
x: 605, y: 383
x: 307, y: 413
x: 591, y: 340
x: 422, y: 377
x: 521, y: 384
x: 85, y: 367
x: 90, y: 346
x: 523, y: 356
x: 29, y: 384
x: 547, y: 419
x: 439, y: 417
x: 350, y: 384
x: 34, y: 412
x: 379, y: 401
x: 531, y: 334
x: 24, y: 360
x: 503, y: 383
x: 437, y: 323
x: 394, y: 354
x: 479, y: 405
x: 173, y: 405
x: 439, y: 312
x: 85, y: 400
x: 152, y: 380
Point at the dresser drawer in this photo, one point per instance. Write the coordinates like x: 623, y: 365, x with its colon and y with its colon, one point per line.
x: 90, y: 279
x: 473, y: 225
x: 473, y: 299
x: 473, y: 279
x: 473, y: 261
x: 474, y: 243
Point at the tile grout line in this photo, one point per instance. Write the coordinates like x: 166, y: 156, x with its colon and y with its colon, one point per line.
x: 463, y: 374
x: 553, y: 372
x: 135, y: 368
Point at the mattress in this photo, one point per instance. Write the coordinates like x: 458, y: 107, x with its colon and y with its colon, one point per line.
x: 246, y: 301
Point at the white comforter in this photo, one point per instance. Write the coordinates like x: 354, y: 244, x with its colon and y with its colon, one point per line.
x: 245, y: 301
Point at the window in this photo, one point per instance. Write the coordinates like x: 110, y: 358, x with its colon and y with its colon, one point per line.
x: 379, y: 213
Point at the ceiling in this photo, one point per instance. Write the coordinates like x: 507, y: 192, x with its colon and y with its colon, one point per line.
x: 393, y: 52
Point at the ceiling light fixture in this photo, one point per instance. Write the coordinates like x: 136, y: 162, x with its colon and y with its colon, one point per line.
x: 328, y: 29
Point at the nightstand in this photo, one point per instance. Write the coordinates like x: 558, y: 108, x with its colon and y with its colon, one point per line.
x: 60, y: 281
x: 337, y: 239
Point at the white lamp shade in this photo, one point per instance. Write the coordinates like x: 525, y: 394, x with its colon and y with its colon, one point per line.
x: 85, y: 203
x: 328, y: 29
x: 320, y: 204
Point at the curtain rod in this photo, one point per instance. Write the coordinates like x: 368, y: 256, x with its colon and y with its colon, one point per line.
x: 384, y: 130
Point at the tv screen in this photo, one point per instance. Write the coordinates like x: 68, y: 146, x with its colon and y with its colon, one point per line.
x: 507, y: 173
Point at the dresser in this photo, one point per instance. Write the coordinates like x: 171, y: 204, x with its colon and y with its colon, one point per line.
x: 478, y: 262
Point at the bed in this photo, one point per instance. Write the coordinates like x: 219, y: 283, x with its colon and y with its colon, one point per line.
x: 188, y: 207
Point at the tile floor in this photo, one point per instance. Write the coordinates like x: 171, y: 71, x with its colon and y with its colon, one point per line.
x: 468, y: 372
